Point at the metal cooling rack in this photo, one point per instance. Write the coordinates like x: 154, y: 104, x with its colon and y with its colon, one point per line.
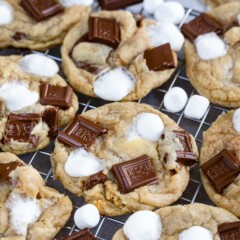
x: 194, y: 192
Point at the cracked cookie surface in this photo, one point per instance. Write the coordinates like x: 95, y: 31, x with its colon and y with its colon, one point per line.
x: 116, y: 147
x: 25, y: 32
x: 218, y: 79
x: 23, y: 189
x: 176, y: 219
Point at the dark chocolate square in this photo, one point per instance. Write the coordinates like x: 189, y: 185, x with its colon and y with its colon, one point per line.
x: 116, y: 4
x: 84, y: 234
x: 222, y: 170
x: 159, y: 58
x: 41, y: 9
x: 81, y: 133
x: 201, y: 25
x: 55, y: 95
x: 105, y: 31
x: 229, y: 231
x: 134, y: 174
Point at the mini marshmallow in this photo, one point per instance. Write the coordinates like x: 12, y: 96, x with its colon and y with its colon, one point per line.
x: 70, y: 3
x: 166, y: 32
x: 87, y: 216
x: 196, y: 107
x: 143, y: 225
x: 23, y: 211
x: 150, y: 5
x: 17, y: 95
x: 175, y: 99
x: 114, y: 84
x: 148, y: 126
x: 39, y: 65
x: 196, y: 233
x: 210, y: 46
x: 81, y: 163
x: 236, y: 120
x: 6, y: 13
x: 170, y: 12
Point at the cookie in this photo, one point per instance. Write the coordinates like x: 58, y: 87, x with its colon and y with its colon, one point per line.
x: 28, y: 208
x: 212, y: 54
x: 214, y: 3
x: 118, y: 141
x: 31, y: 88
x: 220, y: 164
x: 122, y: 65
x: 185, y: 222
x: 39, y: 24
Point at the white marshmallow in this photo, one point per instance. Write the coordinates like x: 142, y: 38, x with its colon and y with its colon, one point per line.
x: 87, y: 216
x: 23, y: 212
x: 150, y: 5
x: 70, y: 3
x: 39, y: 65
x: 81, y: 163
x: 6, y: 13
x: 170, y: 12
x: 196, y: 233
x: 114, y: 85
x: 175, y: 99
x: 236, y: 120
x: 17, y: 95
x: 210, y: 46
x: 143, y: 225
x: 196, y: 107
x: 148, y: 126
x: 166, y: 32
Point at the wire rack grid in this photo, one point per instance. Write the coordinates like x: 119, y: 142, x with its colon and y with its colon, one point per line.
x: 194, y: 192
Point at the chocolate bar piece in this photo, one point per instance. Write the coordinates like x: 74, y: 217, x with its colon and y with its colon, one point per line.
x: 50, y: 118
x: 81, y: 133
x: 159, y: 58
x: 84, y: 234
x: 134, y: 174
x: 18, y: 36
x: 201, y: 25
x: 6, y: 168
x: 185, y: 140
x: 222, y: 170
x: 41, y: 9
x: 20, y: 126
x: 105, y: 31
x: 116, y: 4
x: 229, y: 231
x: 93, y: 180
x: 55, y: 95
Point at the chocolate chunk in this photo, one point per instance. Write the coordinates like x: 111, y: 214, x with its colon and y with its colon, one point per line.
x: 185, y: 140
x: 94, y: 179
x: 6, y: 168
x: 55, y: 95
x: 18, y: 36
x: 50, y: 118
x: 116, y: 4
x: 84, y: 234
x: 159, y: 58
x: 229, y: 231
x: 105, y: 31
x: 81, y: 133
x: 40, y: 9
x: 201, y: 25
x: 134, y: 174
x: 222, y: 170
x: 94, y: 69
x: 20, y: 126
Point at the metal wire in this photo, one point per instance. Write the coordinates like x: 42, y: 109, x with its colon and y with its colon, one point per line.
x: 194, y: 192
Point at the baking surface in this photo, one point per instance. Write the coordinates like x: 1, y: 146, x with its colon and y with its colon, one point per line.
x: 194, y: 192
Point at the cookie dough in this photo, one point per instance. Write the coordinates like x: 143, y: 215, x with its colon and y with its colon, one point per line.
x: 24, y: 91
x: 28, y: 208
x: 218, y: 78
x: 25, y: 32
x: 222, y: 135
x: 84, y: 62
x: 125, y: 140
x: 176, y: 219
